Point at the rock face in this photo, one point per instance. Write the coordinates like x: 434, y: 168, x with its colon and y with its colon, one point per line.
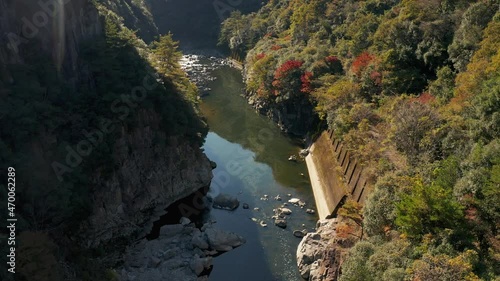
x: 144, y: 184
x: 181, y: 252
x: 294, y: 116
x: 58, y: 35
x: 318, y: 255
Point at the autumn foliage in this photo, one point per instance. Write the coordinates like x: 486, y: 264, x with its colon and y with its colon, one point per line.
x: 306, y: 82
x: 332, y: 59
x: 287, y: 76
x: 260, y: 56
x: 286, y: 68
x: 276, y: 47
x: 361, y: 62
x: 412, y: 89
x: 425, y: 98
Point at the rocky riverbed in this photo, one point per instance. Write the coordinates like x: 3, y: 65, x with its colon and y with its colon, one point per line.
x: 251, y: 155
x: 181, y: 252
x: 199, y: 68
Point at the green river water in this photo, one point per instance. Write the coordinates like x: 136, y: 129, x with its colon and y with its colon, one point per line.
x: 251, y: 154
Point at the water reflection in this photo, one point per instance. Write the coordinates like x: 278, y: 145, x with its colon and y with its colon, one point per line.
x: 251, y: 154
x: 232, y: 118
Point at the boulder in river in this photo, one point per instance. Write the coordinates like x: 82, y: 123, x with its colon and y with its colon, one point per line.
x: 222, y: 241
x: 181, y: 252
x: 198, y: 264
x: 245, y: 206
x: 292, y: 158
x: 310, y: 211
x: 294, y: 201
x: 304, y: 152
x: 280, y: 223
x: 299, y: 233
x: 225, y: 202
x: 284, y: 211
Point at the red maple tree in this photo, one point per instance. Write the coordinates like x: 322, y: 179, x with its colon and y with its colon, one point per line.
x: 361, y: 62
x: 306, y: 82
x: 286, y: 67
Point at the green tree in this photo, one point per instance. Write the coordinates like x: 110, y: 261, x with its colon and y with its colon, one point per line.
x: 167, y: 55
x: 443, y: 86
x: 380, y: 208
x: 355, y: 267
x: 469, y: 33
x: 431, y: 208
x: 445, y: 268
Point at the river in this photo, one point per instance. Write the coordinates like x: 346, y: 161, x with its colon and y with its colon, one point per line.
x: 252, y: 161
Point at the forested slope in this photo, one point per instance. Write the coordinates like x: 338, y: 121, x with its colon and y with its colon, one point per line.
x: 103, y: 133
x: 413, y: 90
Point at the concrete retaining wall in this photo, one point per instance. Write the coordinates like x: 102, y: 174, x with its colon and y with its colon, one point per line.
x: 336, y: 174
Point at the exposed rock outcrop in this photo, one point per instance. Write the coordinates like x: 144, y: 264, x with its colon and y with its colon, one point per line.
x: 181, y: 252
x: 56, y: 29
x: 222, y: 241
x: 319, y: 253
x: 149, y: 178
x: 294, y: 117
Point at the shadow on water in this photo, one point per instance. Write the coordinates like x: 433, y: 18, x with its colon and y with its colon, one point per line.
x: 233, y: 119
x: 248, y: 262
x: 251, y: 154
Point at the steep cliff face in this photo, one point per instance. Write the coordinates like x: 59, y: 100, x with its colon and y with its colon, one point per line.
x: 295, y: 117
x: 136, y: 16
x: 55, y: 27
x: 150, y: 177
x: 55, y: 89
